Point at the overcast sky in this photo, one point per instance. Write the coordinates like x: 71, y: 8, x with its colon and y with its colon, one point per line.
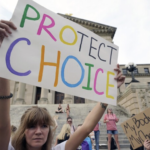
x: 130, y: 17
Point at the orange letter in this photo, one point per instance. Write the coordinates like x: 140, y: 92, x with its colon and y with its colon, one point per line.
x: 49, y: 64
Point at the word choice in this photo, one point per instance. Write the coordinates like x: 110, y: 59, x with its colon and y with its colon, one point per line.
x: 57, y: 65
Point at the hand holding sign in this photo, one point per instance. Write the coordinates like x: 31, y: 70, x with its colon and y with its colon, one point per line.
x: 137, y: 129
x: 120, y: 78
x: 147, y: 144
x: 5, y: 29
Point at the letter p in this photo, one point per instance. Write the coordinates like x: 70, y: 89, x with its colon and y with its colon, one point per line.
x: 24, y: 17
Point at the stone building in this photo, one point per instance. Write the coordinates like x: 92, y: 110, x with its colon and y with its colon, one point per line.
x: 134, y: 97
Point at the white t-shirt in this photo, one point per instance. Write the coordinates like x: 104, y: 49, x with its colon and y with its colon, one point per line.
x: 60, y: 146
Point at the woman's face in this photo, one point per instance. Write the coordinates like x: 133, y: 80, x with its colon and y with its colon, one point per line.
x: 36, y: 136
x: 109, y: 110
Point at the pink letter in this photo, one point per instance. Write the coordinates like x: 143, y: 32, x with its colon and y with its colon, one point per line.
x: 99, y: 93
x: 45, y: 27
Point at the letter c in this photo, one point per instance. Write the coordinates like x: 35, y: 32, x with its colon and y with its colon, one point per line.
x: 8, y: 57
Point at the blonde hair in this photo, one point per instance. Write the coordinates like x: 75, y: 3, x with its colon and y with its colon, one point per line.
x: 33, y: 116
x: 65, y: 130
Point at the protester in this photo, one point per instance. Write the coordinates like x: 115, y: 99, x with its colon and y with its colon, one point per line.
x: 64, y: 134
x: 68, y: 110
x: 56, y: 124
x: 110, y: 119
x: 87, y: 142
x: 36, y: 127
x: 96, y: 134
x: 72, y: 127
x: 147, y: 144
x: 60, y: 110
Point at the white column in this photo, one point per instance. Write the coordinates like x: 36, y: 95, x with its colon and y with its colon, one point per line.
x: 51, y: 97
x: 68, y: 99
x: 44, y: 96
x: 21, y: 94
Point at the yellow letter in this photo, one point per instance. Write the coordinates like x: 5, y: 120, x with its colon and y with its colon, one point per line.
x: 61, y: 38
x: 109, y: 85
x: 49, y: 64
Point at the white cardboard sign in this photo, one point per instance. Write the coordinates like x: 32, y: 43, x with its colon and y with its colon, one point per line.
x: 50, y: 51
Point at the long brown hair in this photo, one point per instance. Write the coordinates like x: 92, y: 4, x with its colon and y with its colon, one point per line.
x: 33, y: 116
x: 111, y: 111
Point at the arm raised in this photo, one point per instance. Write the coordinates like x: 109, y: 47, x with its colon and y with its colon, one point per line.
x: 4, y: 114
x: 5, y: 91
x: 92, y: 119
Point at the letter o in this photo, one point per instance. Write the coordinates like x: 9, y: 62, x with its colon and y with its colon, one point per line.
x: 61, y: 38
x: 63, y: 69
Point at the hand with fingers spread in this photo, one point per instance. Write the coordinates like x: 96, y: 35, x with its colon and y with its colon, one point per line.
x: 5, y: 29
x: 147, y: 144
x: 120, y: 78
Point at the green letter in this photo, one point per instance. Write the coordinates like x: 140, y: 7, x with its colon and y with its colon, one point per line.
x: 25, y: 15
x: 89, y: 77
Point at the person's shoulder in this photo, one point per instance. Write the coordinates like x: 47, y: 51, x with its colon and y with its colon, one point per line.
x: 105, y: 115
x: 60, y: 146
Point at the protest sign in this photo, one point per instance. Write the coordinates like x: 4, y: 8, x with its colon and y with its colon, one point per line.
x: 50, y: 51
x: 137, y: 129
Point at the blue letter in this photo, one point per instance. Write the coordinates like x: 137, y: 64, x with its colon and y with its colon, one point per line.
x: 63, y: 68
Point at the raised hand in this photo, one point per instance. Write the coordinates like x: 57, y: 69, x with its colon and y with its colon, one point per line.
x: 120, y: 78
x: 5, y: 29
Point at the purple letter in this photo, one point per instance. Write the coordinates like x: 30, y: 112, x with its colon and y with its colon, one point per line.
x: 8, y: 57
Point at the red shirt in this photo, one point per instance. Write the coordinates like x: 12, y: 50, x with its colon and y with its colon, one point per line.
x: 111, y: 124
x: 97, y: 127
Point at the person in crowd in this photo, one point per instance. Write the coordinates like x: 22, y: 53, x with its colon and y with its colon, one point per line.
x: 72, y: 127
x: 110, y: 119
x: 55, y: 120
x: 36, y: 127
x: 60, y: 110
x: 92, y: 138
x: 96, y: 135
x: 64, y: 134
x: 147, y: 144
x: 68, y: 110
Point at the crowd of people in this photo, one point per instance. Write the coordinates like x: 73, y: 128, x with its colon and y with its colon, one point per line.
x: 37, y: 127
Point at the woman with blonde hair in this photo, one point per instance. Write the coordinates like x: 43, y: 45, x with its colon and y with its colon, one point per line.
x: 36, y: 128
x: 68, y: 110
x: 64, y: 134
